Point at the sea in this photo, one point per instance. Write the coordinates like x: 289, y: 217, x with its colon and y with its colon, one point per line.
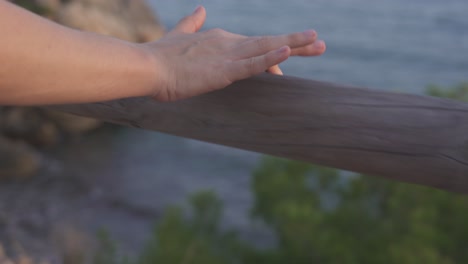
x: 401, y: 45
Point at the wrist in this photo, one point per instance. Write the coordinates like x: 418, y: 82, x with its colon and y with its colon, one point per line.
x: 157, y: 64
x: 146, y: 65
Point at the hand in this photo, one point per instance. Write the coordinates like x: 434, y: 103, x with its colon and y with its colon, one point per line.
x: 190, y: 63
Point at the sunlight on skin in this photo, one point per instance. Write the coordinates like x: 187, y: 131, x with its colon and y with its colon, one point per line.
x: 70, y: 66
x: 194, y: 63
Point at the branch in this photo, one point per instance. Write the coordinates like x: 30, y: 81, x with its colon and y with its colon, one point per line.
x: 410, y: 138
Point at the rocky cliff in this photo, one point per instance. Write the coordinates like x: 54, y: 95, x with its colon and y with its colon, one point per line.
x: 25, y: 130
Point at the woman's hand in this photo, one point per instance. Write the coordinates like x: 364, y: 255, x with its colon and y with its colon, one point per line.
x: 70, y: 66
x: 190, y: 63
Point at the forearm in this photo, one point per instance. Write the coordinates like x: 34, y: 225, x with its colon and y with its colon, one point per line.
x: 43, y: 62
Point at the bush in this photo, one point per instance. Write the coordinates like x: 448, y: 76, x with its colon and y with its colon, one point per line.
x: 320, y: 216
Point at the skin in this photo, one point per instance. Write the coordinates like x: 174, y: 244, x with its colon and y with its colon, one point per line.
x: 46, y: 63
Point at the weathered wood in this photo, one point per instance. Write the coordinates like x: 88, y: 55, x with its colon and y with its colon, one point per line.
x: 410, y: 138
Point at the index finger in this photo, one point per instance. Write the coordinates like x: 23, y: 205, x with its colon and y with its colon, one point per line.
x: 256, y: 46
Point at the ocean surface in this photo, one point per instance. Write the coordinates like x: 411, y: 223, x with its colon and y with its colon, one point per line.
x: 384, y: 44
x: 396, y: 45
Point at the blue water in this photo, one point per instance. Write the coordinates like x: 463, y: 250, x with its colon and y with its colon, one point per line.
x: 385, y: 44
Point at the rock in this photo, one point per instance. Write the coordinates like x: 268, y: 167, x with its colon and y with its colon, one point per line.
x: 72, y: 124
x: 17, y: 159
x: 47, y: 134
x: 131, y: 20
x: 75, y: 245
x: 128, y: 20
x: 52, y: 6
x: 29, y: 124
x: 22, y: 259
x: 43, y: 127
x: 2, y: 253
x: 24, y: 131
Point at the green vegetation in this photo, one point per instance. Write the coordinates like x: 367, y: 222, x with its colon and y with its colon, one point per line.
x: 373, y: 221
x: 458, y: 92
x: 319, y: 216
x: 107, y: 252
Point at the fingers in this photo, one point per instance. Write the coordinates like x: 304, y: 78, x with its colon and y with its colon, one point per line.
x: 260, y: 45
x: 193, y: 22
x: 275, y: 70
x: 317, y: 48
x: 241, y: 69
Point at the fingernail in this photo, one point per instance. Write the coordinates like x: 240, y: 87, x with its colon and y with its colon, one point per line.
x: 310, y: 33
x: 319, y: 43
x: 197, y: 9
x: 283, y: 49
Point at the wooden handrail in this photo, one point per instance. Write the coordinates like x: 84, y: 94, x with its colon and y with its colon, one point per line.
x: 410, y: 138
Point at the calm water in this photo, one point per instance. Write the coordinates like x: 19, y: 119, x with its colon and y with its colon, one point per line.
x: 386, y: 44
x: 383, y: 44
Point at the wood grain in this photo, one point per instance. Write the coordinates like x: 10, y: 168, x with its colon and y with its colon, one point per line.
x: 410, y: 138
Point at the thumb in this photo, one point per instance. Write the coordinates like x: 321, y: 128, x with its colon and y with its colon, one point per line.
x: 193, y: 22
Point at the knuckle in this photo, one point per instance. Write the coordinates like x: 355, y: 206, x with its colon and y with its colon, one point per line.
x: 263, y: 43
x: 216, y: 31
x: 252, y: 65
x: 295, y: 38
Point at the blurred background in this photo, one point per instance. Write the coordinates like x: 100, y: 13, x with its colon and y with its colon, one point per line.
x: 74, y: 190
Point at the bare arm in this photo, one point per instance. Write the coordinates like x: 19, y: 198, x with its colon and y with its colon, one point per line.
x: 45, y: 63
